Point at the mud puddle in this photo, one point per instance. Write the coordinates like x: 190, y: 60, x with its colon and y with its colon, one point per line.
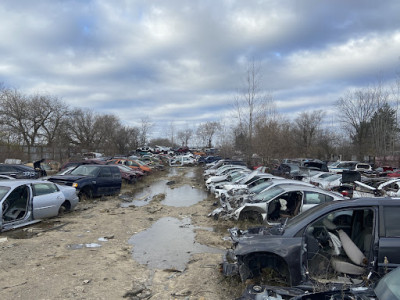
x: 168, y: 244
x: 182, y: 196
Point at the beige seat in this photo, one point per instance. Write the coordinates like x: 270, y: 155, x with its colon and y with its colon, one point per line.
x: 357, y: 258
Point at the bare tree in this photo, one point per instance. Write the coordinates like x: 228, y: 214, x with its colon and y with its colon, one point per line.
x: 251, y: 106
x: 355, y: 111
x: 206, y: 132
x: 306, y: 129
x: 27, y: 116
x: 145, y: 128
x: 184, y: 136
x: 82, y: 129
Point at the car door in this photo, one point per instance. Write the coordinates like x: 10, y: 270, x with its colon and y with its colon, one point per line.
x: 104, y: 182
x: 345, y: 235
x: 47, y: 200
x: 313, y: 198
x: 389, y: 238
x: 16, y: 208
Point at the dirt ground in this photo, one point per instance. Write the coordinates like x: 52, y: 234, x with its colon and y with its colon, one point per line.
x: 38, y: 262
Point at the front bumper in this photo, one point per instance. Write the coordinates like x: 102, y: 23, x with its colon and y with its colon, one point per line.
x: 230, y: 265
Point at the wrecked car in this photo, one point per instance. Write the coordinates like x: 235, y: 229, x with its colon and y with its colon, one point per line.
x: 92, y: 180
x: 129, y: 175
x: 337, y: 241
x: 25, y: 202
x: 385, y: 288
x: 182, y: 160
x: 18, y: 171
x: 374, y: 187
x: 283, y: 201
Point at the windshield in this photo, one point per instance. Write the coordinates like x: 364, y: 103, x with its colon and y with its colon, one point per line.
x: 125, y: 168
x: 332, y: 178
x: 388, y: 287
x: 268, y: 194
x: 85, y: 170
x: 3, y: 191
x: 260, y: 187
x: 297, y: 219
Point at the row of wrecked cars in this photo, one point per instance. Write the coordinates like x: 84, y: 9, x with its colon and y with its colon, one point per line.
x: 311, y: 243
x: 25, y: 201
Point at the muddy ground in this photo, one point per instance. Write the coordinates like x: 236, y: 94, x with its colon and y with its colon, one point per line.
x: 47, y: 260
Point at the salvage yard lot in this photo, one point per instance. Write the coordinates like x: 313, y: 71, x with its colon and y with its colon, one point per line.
x: 60, y: 258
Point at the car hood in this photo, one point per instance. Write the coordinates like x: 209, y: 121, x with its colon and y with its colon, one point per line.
x: 67, y: 178
x: 238, y: 235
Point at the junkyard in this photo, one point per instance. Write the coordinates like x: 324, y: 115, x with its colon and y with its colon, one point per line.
x: 200, y: 150
x: 170, y: 236
x: 86, y: 254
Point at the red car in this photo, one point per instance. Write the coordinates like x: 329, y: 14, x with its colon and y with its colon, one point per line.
x: 394, y: 174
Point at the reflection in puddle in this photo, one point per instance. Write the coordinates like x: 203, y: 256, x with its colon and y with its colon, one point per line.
x: 144, y: 197
x: 168, y: 244
x: 183, y: 196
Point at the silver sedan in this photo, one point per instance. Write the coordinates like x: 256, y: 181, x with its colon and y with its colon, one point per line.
x: 25, y: 202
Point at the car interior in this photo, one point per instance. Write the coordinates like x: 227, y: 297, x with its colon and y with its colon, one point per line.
x: 340, y: 244
x: 15, y: 206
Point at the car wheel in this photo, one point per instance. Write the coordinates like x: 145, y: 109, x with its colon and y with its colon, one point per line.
x: 85, y: 193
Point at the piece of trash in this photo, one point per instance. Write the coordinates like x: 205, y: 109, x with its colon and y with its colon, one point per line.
x: 4, y: 239
x: 92, y: 245
x: 75, y: 246
x: 102, y: 239
x: 86, y: 281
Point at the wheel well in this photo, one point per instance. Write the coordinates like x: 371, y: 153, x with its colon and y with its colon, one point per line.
x: 247, y: 211
x: 257, y: 263
x: 67, y: 205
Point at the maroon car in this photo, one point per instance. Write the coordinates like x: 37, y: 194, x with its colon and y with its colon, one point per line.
x: 129, y: 175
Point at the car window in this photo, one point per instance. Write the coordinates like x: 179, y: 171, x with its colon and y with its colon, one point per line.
x: 105, y: 172
x: 44, y: 189
x: 85, y: 170
x: 3, y: 191
x: 391, y: 216
x: 313, y: 198
x: 269, y: 194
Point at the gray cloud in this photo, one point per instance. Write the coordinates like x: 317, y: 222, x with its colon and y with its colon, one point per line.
x: 185, y: 60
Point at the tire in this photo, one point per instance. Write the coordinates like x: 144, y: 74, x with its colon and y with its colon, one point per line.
x: 85, y: 193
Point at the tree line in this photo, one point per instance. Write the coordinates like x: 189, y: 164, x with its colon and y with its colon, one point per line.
x: 365, y: 124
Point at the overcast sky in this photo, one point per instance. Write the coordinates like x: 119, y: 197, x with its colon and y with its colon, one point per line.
x: 184, y: 61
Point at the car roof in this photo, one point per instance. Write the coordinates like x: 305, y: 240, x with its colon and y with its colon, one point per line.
x: 17, y: 182
x: 295, y: 187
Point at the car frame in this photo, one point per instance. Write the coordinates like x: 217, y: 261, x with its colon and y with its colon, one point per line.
x: 25, y: 202
x: 289, y: 248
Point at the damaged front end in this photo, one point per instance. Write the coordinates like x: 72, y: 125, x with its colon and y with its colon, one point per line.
x: 263, y: 248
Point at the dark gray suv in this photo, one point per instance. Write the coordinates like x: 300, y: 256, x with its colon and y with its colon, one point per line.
x: 335, y: 240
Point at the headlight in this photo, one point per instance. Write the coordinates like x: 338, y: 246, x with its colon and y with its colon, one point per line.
x: 75, y: 185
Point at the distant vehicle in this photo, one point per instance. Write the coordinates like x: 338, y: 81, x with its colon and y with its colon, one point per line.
x: 18, y: 171
x: 133, y: 164
x: 92, y: 180
x: 25, y: 202
x: 182, y: 160
x: 129, y: 175
x: 342, y: 166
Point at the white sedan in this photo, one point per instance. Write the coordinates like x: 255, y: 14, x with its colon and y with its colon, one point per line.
x: 25, y: 202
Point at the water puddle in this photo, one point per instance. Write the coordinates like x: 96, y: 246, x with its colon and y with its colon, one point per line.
x: 177, y: 196
x: 143, y: 198
x: 183, y: 196
x: 168, y: 244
